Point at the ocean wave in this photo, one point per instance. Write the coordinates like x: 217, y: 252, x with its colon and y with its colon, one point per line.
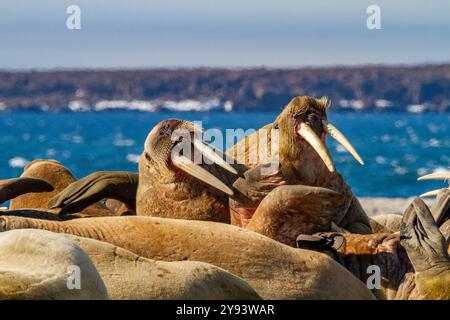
x: 18, y: 162
x: 134, y: 105
x: 152, y: 105
x: 133, y: 158
x: 192, y: 105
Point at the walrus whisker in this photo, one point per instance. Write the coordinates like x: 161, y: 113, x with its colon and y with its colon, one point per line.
x: 311, y: 137
x: 339, y: 137
x: 186, y: 165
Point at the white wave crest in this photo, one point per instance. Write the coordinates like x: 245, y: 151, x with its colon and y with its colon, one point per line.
x: 18, y: 162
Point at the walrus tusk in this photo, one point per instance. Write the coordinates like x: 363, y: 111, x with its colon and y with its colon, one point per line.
x: 212, y: 155
x: 436, y: 175
x: 339, y: 137
x: 311, y: 137
x: 198, y: 172
x: 432, y: 193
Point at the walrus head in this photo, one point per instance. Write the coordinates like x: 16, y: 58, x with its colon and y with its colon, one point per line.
x: 303, y: 127
x: 174, y: 148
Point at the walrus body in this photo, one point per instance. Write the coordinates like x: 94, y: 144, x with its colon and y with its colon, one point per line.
x: 413, y: 264
x: 37, y: 264
x: 53, y: 174
x: 302, y: 161
x: 129, y: 276
x: 276, y: 271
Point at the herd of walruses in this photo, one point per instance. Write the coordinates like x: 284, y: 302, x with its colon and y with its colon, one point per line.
x: 183, y: 229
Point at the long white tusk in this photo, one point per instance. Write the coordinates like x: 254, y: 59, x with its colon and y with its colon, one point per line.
x: 433, y: 193
x: 212, y: 155
x: 339, y: 137
x: 437, y: 175
x: 198, y: 172
x: 311, y: 137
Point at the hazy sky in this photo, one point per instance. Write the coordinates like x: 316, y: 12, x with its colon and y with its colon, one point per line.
x: 155, y: 33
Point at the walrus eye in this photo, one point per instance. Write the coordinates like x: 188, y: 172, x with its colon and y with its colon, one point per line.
x: 276, y: 127
x: 147, y: 156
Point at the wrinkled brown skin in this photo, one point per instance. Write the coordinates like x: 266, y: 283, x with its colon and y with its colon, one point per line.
x: 299, y: 165
x: 276, y: 271
x: 428, y: 251
x: 59, y: 178
x: 13, y: 188
x: 414, y: 264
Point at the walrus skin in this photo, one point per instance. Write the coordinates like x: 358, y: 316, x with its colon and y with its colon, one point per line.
x: 274, y: 270
x: 36, y: 264
x: 131, y: 277
x: 106, y: 271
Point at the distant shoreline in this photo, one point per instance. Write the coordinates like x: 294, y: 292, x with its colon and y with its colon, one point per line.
x: 377, y: 88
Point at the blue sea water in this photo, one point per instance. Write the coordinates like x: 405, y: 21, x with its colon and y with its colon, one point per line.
x: 397, y: 147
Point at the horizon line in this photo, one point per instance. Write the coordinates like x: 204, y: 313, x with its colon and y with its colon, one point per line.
x: 237, y: 67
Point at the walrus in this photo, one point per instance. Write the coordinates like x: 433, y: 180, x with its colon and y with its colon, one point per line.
x: 118, y: 273
x: 274, y: 270
x: 41, y: 181
x: 37, y: 264
x: 166, y: 187
x: 304, y: 159
x: 414, y: 263
x: 170, y: 182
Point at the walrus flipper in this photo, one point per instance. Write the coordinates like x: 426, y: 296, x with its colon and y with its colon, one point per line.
x: 427, y: 249
x: 80, y: 194
x: 441, y: 208
x: 12, y: 188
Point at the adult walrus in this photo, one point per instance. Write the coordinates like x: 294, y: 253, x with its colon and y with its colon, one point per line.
x: 169, y: 188
x: 25, y: 271
x: 37, y: 264
x: 172, y: 182
x: 413, y: 264
x: 40, y: 181
x: 304, y: 159
x: 274, y: 270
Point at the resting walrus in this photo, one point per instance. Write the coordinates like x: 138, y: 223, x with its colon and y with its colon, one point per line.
x: 274, y: 270
x: 170, y: 182
x: 306, y: 171
x: 414, y: 263
x: 25, y: 271
x: 168, y: 188
x: 40, y: 181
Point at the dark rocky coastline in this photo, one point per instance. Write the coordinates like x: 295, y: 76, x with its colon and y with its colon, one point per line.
x: 375, y: 88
